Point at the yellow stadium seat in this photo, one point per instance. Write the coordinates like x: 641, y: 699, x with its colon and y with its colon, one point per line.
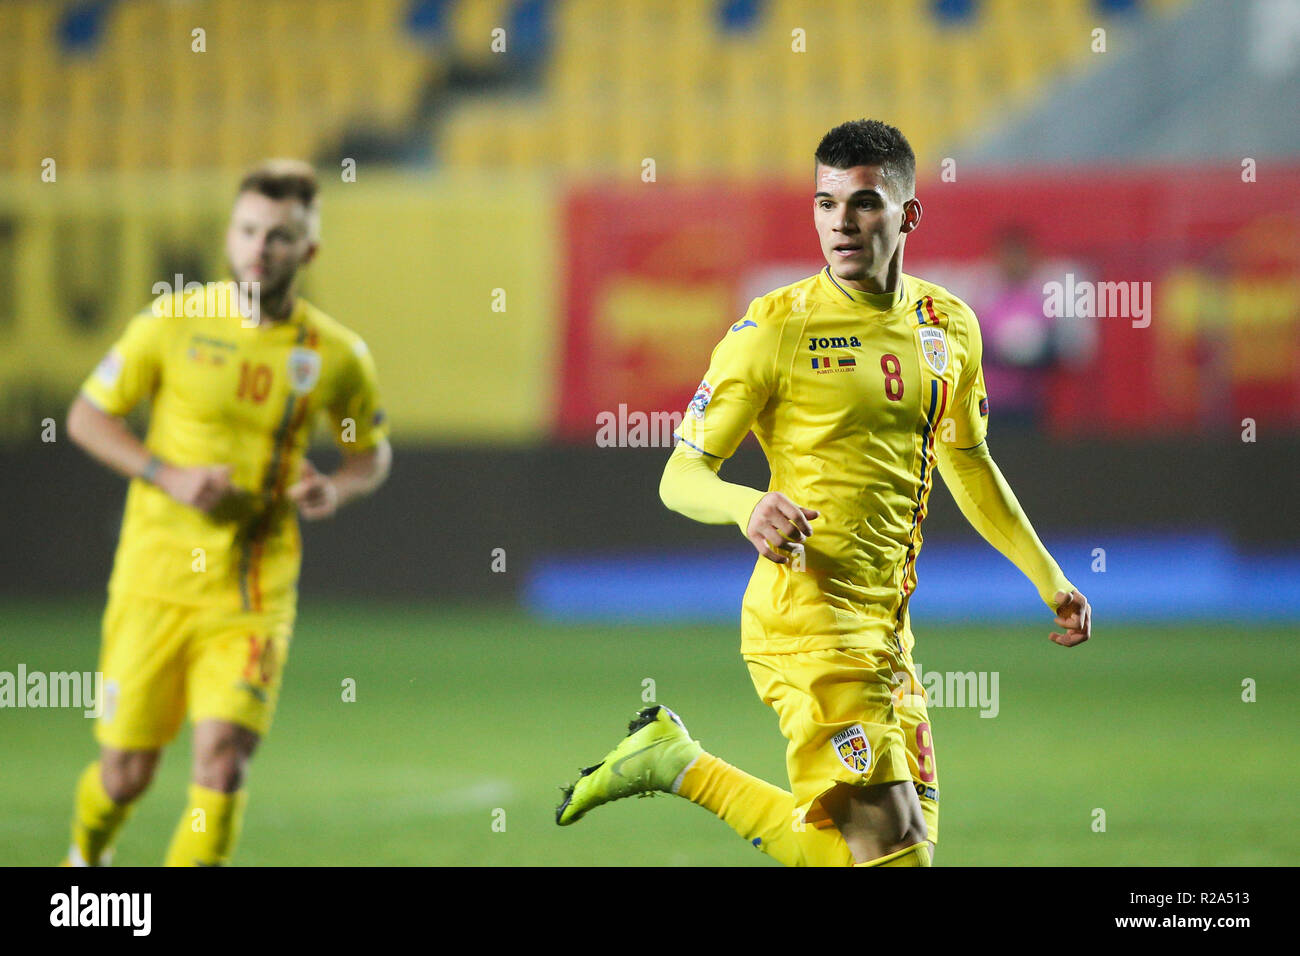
x: 623, y: 80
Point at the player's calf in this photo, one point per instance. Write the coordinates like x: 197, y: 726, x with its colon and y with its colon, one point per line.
x: 106, y: 793
x: 222, y: 751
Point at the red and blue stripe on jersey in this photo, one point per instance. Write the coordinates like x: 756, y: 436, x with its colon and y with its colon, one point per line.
x: 933, y: 416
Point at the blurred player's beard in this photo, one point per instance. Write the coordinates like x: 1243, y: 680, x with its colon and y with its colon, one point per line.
x: 270, y: 291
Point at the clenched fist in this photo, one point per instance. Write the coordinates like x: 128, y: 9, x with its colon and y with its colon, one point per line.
x: 199, y: 486
x: 1075, y: 615
x: 315, y: 494
x: 776, y: 523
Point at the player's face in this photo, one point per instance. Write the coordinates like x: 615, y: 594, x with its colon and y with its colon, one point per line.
x: 268, y: 241
x: 860, y: 221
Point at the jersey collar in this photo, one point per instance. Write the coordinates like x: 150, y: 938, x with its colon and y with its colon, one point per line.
x: 295, y: 318
x: 879, y: 301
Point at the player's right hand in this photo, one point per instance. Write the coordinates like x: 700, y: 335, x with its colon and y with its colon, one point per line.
x: 776, y: 523
x: 1074, y: 613
x: 202, y: 486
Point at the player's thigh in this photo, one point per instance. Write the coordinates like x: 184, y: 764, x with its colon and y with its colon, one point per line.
x: 876, y: 820
x: 142, y: 658
x: 836, y: 713
x: 918, y: 736
x: 236, y: 667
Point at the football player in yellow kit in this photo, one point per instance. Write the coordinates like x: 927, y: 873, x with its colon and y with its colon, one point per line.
x: 857, y: 382
x: 203, y: 593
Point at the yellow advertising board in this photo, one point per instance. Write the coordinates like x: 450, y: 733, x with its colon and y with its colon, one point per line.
x: 451, y: 281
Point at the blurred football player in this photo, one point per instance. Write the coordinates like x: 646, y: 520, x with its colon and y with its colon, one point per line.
x: 203, y: 592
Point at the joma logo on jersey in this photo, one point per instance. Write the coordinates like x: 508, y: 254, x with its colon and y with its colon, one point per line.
x: 835, y: 342
x: 853, y: 749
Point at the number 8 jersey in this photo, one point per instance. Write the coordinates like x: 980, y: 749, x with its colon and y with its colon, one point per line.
x: 226, y: 391
x: 847, y: 392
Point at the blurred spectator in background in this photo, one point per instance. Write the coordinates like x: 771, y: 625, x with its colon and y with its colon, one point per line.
x: 1023, y: 346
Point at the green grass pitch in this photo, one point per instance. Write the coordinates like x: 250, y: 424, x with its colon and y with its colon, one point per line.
x: 470, y: 718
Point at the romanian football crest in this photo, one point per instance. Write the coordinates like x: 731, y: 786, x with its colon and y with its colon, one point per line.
x: 304, y: 369
x: 935, y: 348
x: 852, y: 748
x: 703, y: 395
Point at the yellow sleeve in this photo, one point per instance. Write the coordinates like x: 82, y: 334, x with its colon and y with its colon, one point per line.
x: 988, y: 503
x: 740, y: 380
x: 131, y: 369
x: 969, y: 411
x: 359, y: 422
x: 691, y: 486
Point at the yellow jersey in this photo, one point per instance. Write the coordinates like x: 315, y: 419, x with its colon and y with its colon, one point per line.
x: 847, y: 393
x: 225, y: 391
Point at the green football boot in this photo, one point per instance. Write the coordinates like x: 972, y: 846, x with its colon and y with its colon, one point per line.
x: 650, y: 758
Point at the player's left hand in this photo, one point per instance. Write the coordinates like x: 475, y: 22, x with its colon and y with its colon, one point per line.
x: 1074, y: 613
x: 314, y: 494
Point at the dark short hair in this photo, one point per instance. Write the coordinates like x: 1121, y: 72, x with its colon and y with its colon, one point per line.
x: 282, y: 179
x: 867, y: 142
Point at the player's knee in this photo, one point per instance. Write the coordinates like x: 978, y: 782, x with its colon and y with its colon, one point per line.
x: 900, y: 833
x: 126, y: 774
x: 222, y: 771
x: 911, y: 837
x: 221, y: 754
x: 221, y: 768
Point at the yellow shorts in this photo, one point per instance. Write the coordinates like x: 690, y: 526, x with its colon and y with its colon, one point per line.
x: 160, y: 659
x: 855, y: 716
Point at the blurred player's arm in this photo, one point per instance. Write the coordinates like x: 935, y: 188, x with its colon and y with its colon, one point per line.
x: 106, y: 438
x: 318, y: 495
x: 128, y: 374
x: 739, y: 383
x: 364, y: 472
x: 361, y: 435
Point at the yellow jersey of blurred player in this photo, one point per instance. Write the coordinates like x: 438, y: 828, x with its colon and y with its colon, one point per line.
x: 857, y: 381
x: 204, y: 586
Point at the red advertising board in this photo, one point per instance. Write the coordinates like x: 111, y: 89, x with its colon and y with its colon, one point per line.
x: 657, y: 273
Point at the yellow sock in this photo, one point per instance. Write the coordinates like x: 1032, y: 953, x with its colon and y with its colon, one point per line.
x: 917, y: 855
x: 208, y: 831
x: 762, y: 814
x: 96, y: 818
